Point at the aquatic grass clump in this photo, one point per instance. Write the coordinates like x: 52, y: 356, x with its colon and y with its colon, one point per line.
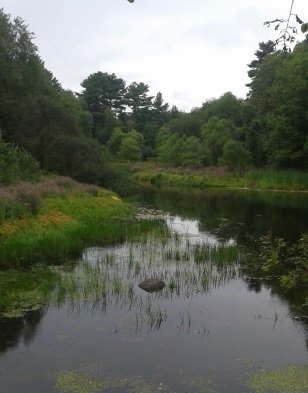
x: 220, y: 254
x: 292, y: 379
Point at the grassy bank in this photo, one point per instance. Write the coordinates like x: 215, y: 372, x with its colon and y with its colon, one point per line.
x: 58, y: 217
x: 264, y: 179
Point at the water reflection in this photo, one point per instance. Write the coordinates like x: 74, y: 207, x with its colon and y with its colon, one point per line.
x: 241, y: 215
x: 14, y: 331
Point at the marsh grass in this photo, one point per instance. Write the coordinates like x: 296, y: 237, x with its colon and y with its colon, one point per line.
x: 277, y: 179
x: 109, y: 275
x: 264, y: 179
x: 66, y: 224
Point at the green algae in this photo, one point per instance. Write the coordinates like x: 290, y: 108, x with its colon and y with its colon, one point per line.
x: 292, y: 379
x: 85, y: 381
x: 79, y: 382
x: 201, y: 385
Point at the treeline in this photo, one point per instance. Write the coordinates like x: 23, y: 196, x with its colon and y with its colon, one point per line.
x: 79, y: 134
x: 269, y: 128
x: 38, y: 115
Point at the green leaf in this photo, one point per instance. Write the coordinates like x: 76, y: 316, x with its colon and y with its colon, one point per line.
x: 304, y: 27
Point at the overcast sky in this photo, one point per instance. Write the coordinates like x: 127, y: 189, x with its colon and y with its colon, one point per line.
x: 190, y: 50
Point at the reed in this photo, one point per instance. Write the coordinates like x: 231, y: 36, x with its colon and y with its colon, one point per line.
x: 265, y: 179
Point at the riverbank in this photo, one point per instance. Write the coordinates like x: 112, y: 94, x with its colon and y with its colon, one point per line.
x: 58, y: 217
x: 262, y: 179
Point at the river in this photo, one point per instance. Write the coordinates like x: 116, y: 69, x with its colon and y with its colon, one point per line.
x: 211, y: 329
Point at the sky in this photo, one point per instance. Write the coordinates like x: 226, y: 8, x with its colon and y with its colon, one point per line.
x: 189, y: 50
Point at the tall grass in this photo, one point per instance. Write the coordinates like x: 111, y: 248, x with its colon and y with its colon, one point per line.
x: 282, y: 180
x: 65, y: 223
x: 265, y: 179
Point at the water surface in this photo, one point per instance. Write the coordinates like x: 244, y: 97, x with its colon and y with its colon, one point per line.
x: 208, y: 330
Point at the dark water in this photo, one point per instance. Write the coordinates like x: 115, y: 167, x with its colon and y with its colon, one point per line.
x: 196, y: 336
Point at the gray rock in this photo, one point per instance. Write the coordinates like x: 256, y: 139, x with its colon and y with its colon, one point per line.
x: 152, y: 285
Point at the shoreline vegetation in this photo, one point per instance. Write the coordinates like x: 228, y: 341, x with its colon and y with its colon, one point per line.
x: 58, y: 217
x: 221, y: 177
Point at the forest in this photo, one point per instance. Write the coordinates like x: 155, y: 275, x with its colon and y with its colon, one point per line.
x: 45, y: 126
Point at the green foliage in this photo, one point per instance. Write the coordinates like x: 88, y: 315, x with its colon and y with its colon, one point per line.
x: 16, y: 164
x: 278, y: 97
x: 38, y: 115
x: 287, y: 261
x: 191, y: 152
x: 115, y: 140
x: 137, y: 98
x: 170, y: 151
x: 254, y: 179
x: 235, y: 156
x: 57, y: 127
x: 79, y: 158
x: 103, y: 91
x: 215, y: 133
x: 131, y: 146
x: 304, y: 27
x: 226, y: 107
x: 265, y: 49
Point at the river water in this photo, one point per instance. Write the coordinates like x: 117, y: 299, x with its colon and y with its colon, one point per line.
x: 209, y: 330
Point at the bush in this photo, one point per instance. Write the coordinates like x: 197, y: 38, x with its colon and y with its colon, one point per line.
x: 78, y: 157
x: 17, y: 164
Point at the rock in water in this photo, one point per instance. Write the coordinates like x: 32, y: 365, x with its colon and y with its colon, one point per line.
x: 152, y: 285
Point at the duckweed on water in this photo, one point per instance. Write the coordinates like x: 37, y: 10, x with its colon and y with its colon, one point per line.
x: 76, y: 382
x: 81, y: 381
x: 200, y: 384
x: 292, y: 379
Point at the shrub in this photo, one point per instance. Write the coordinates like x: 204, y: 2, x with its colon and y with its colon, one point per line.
x: 17, y: 164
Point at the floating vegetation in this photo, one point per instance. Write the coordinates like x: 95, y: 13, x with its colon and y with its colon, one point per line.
x: 78, y: 382
x: 83, y: 381
x: 292, y: 379
x: 201, y: 385
x: 26, y: 290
